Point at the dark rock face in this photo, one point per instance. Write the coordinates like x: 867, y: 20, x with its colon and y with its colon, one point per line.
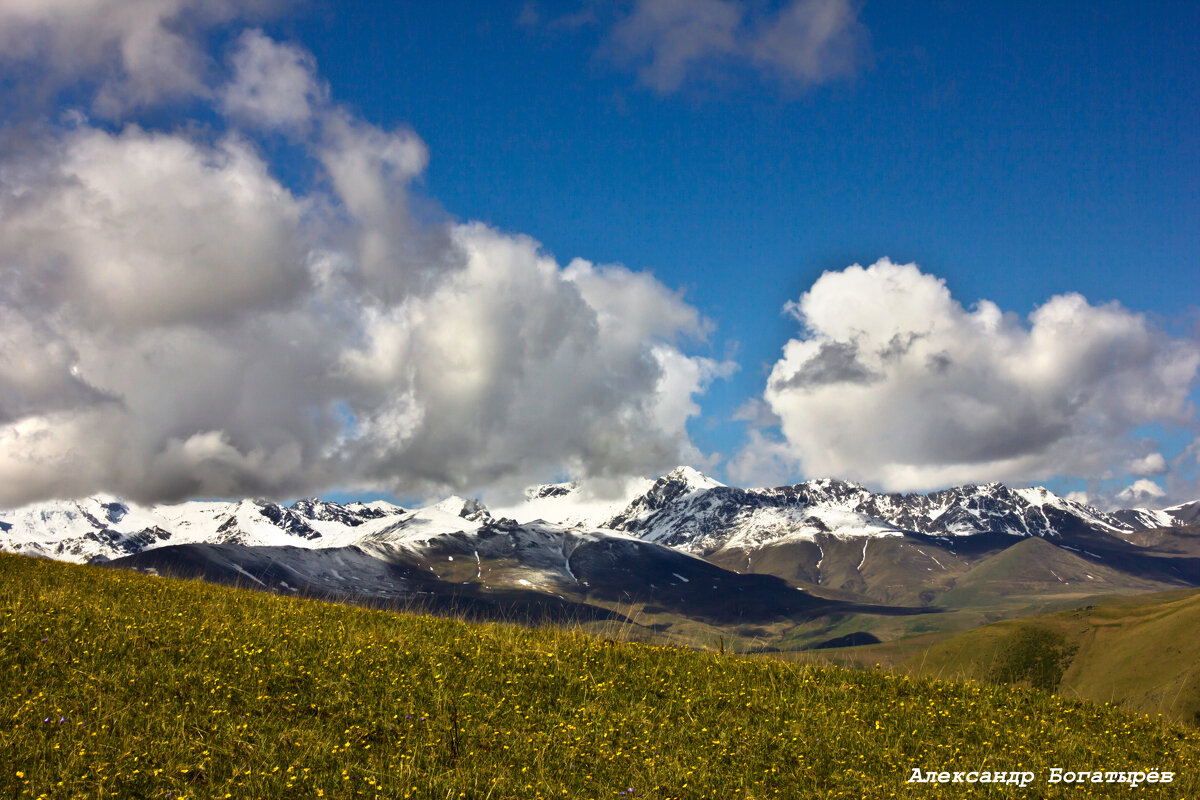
x: 115, y: 511
x: 552, y: 490
x: 475, y: 511
x: 324, y: 511
x: 289, y: 520
x: 314, y: 509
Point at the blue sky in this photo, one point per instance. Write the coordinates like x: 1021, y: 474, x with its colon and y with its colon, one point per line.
x: 1015, y: 151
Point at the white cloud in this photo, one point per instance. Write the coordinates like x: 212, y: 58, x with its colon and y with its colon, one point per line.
x: 1151, y: 464
x: 895, y: 383
x: 274, y: 85
x: 139, y: 52
x: 805, y: 43
x: 682, y: 378
x: 371, y: 171
x: 763, y: 461
x: 175, y: 322
x: 634, y: 305
x: 1140, y: 492
x: 135, y: 227
x: 757, y: 414
x: 508, y: 368
x: 36, y: 368
x: 1182, y: 478
x: 532, y: 18
x: 811, y: 41
x: 669, y: 38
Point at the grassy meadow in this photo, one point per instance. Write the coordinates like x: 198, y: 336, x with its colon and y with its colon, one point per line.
x: 1141, y: 651
x: 115, y: 684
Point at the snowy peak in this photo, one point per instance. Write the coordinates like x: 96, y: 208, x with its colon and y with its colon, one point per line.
x: 1145, y: 518
x: 693, y: 479
x: 375, y: 509
x: 352, y: 515
x: 551, y: 490
x: 475, y: 511
x: 92, y: 528
x: 684, y: 509
x: 704, y: 517
x: 678, y: 488
x: 248, y: 522
x: 287, y: 519
x: 466, y: 508
x: 101, y: 528
x: 1033, y: 511
x: 701, y: 516
x: 1185, y: 514
x: 576, y: 504
x: 450, y: 516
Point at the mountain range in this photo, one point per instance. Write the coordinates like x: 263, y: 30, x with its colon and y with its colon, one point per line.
x: 802, y: 565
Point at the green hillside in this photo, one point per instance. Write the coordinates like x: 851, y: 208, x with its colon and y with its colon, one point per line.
x: 1141, y: 651
x: 1027, y: 578
x: 122, y: 685
x: 1034, y: 574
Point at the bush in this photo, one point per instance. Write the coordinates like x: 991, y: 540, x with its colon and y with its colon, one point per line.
x: 1034, y: 656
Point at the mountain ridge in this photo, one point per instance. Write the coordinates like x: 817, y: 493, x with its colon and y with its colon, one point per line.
x: 820, y: 561
x: 683, y: 509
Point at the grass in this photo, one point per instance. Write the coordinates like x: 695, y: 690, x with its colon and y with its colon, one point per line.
x: 1139, y: 651
x: 122, y: 685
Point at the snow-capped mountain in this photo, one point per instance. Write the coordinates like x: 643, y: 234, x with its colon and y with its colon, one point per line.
x: 90, y: 529
x: 902, y: 548
x: 575, y: 504
x: 905, y: 549
x: 687, y: 510
x: 683, y: 509
x: 102, y: 528
x: 1145, y: 518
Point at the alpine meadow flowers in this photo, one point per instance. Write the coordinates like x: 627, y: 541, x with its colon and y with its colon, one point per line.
x: 123, y: 685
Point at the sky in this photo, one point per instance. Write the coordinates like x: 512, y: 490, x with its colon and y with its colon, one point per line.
x: 271, y: 248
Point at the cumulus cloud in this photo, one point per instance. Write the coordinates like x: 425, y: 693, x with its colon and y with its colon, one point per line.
x: 1140, y: 492
x: 763, y: 461
x: 510, y: 367
x: 1182, y: 477
x: 139, y: 51
x: 274, y: 84
x: 1151, y: 464
x: 135, y: 228
x: 805, y: 43
x: 176, y: 322
x: 895, y: 383
x: 36, y: 369
x: 757, y: 414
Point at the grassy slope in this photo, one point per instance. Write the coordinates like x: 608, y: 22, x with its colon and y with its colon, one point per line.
x: 122, y: 685
x: 1034, y: 574
x: 1031, y: 577
x: 1140, y: 651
